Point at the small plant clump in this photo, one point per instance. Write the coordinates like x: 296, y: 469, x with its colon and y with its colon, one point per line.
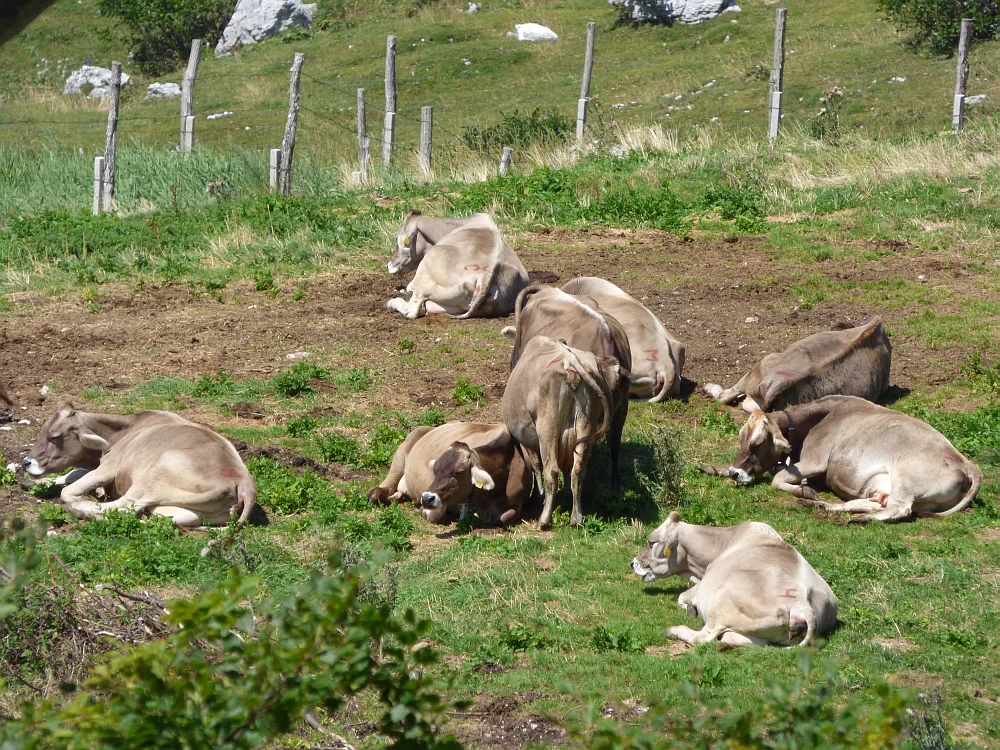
x: 467, y: 392
x: 296, y: 381
x: 520, y: 130
x: 825, y: 125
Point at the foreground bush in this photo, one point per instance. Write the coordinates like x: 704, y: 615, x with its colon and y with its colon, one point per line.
x: 935, y: 24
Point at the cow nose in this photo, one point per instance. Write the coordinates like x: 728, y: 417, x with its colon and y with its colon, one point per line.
x: 430, y: 500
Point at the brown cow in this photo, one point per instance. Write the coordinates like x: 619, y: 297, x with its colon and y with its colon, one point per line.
x: 582, y: 324
x: 657, y: 357
x: 153, y: 462
x: 443, y: 468
x: 557, y: 404
x: 885, y: 465
x: 841, y: 362
x: 471, y: 272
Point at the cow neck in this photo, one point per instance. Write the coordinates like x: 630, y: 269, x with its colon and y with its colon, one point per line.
x: 795, y: 422
x: 699, y: 546
x: 108, y: 426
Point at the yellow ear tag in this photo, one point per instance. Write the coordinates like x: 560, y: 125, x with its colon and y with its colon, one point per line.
x: 406, y: 241
x: 479, y: 484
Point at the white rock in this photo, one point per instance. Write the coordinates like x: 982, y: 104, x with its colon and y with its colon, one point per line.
x: 163, y: 90
x: 217, y: 115
x: 619, y: 150
x: 473, y: 7
x: 668, y: 11
x: 534, y: 32
x: 294, y: 356
x: 751, y: 319
x: 6, y: 428
x: 256, y: 20
x: 43, y: 390
x: 897, y: 79
x: 24, y: 421
x: 98, y: 78
x: 972, y: 101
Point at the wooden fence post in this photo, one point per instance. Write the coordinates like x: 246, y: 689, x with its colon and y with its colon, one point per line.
x: 426, y: 139
x: 274, y: 167
x: 389, y: 128
x: 961, y: 76
x: 588, y: 67
x: 363, y: 135
x: 777, y: 82
x: 288, y: 142
x: 508, y: 154
x: 187, y: 96
x: 98, y: 184
x: 111, y: 140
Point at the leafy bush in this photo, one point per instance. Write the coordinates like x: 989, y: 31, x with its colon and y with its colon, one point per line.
x: 520, y: 130
x: 466, y: 392
x: 7, y: 477
x: 825, y: 125
x: 720, y: 421
x: 295, y: 381
x: 357, y: 380
x: 232, y: 676
x: 214, y: 386
x: 282, y: 491
x: 935, y: 25
x: 160, y: 31
x: 301, y: 426
x: 802, y: 714
x: 602, y: 639
x: 665, y: 482
x: 337, y: 448
x: 740, y: 198
x: 430, y: 418
x: 263, y: 281
x: 984, y: 379
x: 391, y: 526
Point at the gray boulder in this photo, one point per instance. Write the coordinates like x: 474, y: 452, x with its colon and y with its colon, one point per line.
x: 163, y: 90
x: 256, y: 20
x: 668, y: 11
x: 99, y: 80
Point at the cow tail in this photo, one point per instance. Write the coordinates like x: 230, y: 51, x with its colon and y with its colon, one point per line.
x: 486, y: 282
x: 246, y: 496
x: 604, y: 394
x: 664, y: 391
x: 975, y: 477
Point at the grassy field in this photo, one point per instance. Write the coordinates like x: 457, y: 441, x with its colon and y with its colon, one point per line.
x: 262, y: 316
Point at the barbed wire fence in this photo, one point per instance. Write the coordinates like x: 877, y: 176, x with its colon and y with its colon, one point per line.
x: 373, y: 144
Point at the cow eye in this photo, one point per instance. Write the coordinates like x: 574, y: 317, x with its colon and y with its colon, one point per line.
x: 55, y: 438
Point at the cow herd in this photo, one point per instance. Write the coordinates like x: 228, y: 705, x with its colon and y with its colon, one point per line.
x: 579, y: 353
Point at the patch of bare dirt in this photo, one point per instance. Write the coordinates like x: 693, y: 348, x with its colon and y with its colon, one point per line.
x: 545, y: 564
x: 505, y: 721
x: 673, y: 648
x: 895, y: 644
x: 988, y: 535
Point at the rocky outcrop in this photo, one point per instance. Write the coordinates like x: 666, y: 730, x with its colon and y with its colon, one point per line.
x: 256, y: 20
x: 534, y: 32
x: 669, y: 11
x: 96, y: 78
x: 163, y: 90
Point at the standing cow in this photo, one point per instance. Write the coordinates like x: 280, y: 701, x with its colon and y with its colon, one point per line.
x: 583, y: 324
x: 557, y: 404
x: 445, y: 467
x: 152, y: 462
x: 841, y: 362
x: 885, y: 465
x: 470, y: 272
x: 657, y: 357
x: 751, y: 588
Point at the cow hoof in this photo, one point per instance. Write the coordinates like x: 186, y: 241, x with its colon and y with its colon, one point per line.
x: 576, y: 521
x: 805, y: 502
x: 859, y: 519
x: 544, y: 525
x: 809, y: 494
x: 378, y: 495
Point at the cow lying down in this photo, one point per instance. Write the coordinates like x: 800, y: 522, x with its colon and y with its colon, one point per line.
x: 470, y: 272
x: 443, y: 468
x: 751, y: 588
x: 153, y: 462
x: 657, y: 357
x: 841, y: 362
x: 885, y: 465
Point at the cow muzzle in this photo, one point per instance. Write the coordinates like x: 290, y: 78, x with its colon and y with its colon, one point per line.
x: 642, y: 571
x: 32, y: 467
x: 739, y: 475
x: 430, y: 500
x: 393, y: 268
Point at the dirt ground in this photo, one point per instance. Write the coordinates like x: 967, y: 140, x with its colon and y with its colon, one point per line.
x: 705, y: 292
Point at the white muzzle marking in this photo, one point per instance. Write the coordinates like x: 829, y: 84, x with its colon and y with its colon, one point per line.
x: 393, y: 268
x: 31, y: 466
x: 739, y: 475
x: 642, y: 571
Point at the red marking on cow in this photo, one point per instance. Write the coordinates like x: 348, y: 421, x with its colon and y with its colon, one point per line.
x: 230, y: 473
x: 654, y: 355
x: 785, y: 373
x: 474, y: 267
x: 787, y: 595
x: 557, y: 359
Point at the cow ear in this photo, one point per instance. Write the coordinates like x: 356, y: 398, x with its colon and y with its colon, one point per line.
x: 430, y: 464
x: 93, y: 442
x: 779, y: 439
x: 759, y: 431
x: 481, y: 479
x: 674, y: 517
x: 67, y: 409
x: 509, y: 332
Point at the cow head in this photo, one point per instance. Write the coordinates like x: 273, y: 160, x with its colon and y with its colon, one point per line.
x: 762, y: 447
x: 659, y: 558
x: 410, y: 245
x: 457, y: 473
x: 64, y: 442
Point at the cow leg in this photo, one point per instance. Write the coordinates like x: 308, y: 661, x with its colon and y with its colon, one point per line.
x: 433, y: 308
x: 732, y: 639
x: 580, y: 455
x: 851, y: 506
x: 686, y: 601
x: 694, y: 637
x: 893, y: 512
x: 615, y: 441
x: 535, y: 464
x: 182, y: 517
x: 792, y: 479
x: 725, y: 396
x: 411, y: 309
x: 393, y: 486
x: 74, y: 496
x: 550, y: 476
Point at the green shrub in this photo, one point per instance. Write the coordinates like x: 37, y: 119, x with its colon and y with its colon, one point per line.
x: 520, y: 130
x: 984, y: 379
x: 602, y: 639
x: 665, y: 481
x: 382, y: 444
x: 282, y: 491
x: 295, y: 381
x: 934, y: 25
x: 7, y: 477
x: 263, y: 281
x: 466, y: 392
x: 357, y: 380
x: 301, y: 426
x: 430, y: 418
x: 825, y: 124
x: 720, y: 421
x: 392, y: 527
x: 337, y: 448
x: 160, y: 31
x: 217, y: 386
